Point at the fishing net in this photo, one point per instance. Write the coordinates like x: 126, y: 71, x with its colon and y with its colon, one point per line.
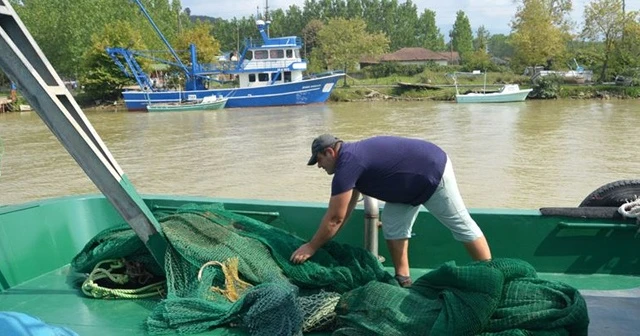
x: 225, y: 268
x: 222, y: 268
x: 501, y: 297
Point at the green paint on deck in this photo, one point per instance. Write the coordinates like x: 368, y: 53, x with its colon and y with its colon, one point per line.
x: 52, y: 298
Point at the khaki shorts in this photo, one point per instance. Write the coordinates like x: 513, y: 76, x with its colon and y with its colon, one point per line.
x: 445, y: 204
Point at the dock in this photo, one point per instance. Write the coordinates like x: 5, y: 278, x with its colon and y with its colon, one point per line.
x: 4, y: 104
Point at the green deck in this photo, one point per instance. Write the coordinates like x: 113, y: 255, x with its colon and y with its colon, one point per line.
x: 51, y: 298
x: 38, y: 240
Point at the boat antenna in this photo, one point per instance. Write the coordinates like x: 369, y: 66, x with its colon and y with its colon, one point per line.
x: 266, y: 15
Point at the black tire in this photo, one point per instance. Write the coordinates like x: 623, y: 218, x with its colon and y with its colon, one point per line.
x: 613, y: 194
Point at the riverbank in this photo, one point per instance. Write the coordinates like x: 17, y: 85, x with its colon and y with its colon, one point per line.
x: 361, y: 92
x: 395, y: 92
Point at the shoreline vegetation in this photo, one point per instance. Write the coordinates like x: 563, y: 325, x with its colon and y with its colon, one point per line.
x: 427, y: 86
x: 395, y: 93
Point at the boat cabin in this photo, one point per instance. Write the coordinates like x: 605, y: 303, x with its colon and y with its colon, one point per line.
x: 275, y: 61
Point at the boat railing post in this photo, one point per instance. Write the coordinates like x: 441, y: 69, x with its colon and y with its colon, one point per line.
x: 371, y: 220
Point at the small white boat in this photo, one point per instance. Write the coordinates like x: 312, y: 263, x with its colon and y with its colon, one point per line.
x: 508, y: 93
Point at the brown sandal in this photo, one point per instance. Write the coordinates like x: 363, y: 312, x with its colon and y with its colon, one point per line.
x: 404, y: 281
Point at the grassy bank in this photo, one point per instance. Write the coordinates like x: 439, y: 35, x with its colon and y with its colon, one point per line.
x: 387, y: 88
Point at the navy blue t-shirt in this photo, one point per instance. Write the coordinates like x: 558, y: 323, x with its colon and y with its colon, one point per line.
x: 391, y: 169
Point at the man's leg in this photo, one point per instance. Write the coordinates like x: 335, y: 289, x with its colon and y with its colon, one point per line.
x: 479, y: 249
x: 399, y: 250
x: 447, y: 206
x: 397, y: 221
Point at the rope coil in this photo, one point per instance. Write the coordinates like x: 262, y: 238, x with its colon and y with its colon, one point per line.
x: 630, y: 209
x: 106, y: 270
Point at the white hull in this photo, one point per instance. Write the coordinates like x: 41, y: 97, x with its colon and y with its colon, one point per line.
x: 508, y: 94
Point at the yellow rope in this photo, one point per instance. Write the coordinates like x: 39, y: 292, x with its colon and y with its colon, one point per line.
x: 234, y: 286
x: 91, y: 288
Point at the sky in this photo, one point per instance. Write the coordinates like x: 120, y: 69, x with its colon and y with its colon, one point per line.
x: 495, y: 15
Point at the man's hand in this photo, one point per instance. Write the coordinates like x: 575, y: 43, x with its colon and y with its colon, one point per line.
x: 303, y: 253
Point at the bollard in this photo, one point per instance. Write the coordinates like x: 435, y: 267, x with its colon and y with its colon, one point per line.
x: 371, y: 218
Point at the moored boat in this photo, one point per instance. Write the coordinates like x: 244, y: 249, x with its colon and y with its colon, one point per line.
x: 507, y: 93
x: 269, y: 73
x: 209, y: 103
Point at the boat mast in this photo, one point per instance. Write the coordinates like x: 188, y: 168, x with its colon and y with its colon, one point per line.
x: 164, y: 40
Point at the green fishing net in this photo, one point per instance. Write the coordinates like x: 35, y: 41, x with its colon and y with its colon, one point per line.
x: 226, y: 269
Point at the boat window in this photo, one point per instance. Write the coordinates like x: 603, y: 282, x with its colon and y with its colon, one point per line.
x: 260, y: 54
x: 248, y: 55
x: 289, y: 53
x: 252, y: 78
x: 287, y: 76
x: 297, y: 53
x: 263, y: 77
x: 276, y: 53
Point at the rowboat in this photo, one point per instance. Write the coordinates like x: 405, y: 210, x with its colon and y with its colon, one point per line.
x: 209, y: 103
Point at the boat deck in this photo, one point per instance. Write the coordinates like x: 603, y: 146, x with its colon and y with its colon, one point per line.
x: 612, y: 310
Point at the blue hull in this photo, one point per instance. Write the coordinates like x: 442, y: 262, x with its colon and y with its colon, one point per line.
x: 308, y: 91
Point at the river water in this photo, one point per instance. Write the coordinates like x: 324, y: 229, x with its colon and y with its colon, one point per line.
x: 517, y: 155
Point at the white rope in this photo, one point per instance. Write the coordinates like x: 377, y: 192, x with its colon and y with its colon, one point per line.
x: 631, y: 209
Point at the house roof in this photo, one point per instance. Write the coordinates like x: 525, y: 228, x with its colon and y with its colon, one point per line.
x: 451, y: 56
x: 413, y: 54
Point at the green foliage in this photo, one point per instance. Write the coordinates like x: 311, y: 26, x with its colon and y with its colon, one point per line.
x: 481, y: 42
x: 479, y: 60
x: 547, y: 87
x: 500, y: 47
x: 310, y: 35
x: 343, y: 42
x: 604, y: 21
x: 462, y: 36
x: 101, y: 79
x: 199, y: 35
x: 428, y: 34
x: 537, y: 36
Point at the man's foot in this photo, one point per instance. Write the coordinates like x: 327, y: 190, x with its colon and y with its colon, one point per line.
x: 404, y: 281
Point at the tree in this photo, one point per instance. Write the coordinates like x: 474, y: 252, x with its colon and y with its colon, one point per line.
x: 101, y: 78
x: 199, y: 35
x: 343, y: 42
x: 538, y: 36
x: 402, y: 31
x: 462, y: 36
x: 310, y: 35
x: 629, y: 47
x: 428, y: 34
x: 481, y: 42
x: 499, y: 46
x: 604, y: 21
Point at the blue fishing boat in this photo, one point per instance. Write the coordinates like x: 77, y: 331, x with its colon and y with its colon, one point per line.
x: 269, y: 73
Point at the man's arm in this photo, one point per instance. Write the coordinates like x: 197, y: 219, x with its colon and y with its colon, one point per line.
x: 339, y: 207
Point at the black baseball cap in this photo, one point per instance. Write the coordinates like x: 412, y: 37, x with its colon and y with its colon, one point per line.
x: 319, y: 144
